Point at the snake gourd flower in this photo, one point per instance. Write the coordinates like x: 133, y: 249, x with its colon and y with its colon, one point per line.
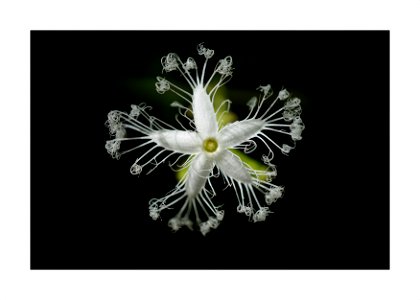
x: 206, y: 148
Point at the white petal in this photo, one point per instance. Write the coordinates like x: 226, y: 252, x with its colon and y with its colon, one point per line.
x: 238, y: 132
x: 198, y: 174
x: 204, y: 115
x: 233, y: 167
x: 177, y: 140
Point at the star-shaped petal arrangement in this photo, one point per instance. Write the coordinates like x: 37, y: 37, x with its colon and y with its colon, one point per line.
x: 208, y: 148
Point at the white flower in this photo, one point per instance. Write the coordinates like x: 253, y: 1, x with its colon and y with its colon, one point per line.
x: 206, y: 145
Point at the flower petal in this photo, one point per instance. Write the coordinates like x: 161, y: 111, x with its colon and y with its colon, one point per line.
x: 177, y: 140
x: 204, y: 115
x: 198, y: 173
x: 239, y: 132
x: 232, y: 166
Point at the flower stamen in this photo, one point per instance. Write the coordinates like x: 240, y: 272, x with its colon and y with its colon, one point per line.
x: 210, y: 145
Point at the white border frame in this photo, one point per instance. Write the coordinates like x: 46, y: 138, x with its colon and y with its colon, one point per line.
x: 19, y: 17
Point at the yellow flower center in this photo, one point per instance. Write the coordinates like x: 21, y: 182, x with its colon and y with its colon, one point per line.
x: 210, y: 145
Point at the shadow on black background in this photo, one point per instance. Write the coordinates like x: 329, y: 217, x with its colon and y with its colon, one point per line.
x: 88, y: 212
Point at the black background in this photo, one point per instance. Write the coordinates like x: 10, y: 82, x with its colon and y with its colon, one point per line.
x: 88, y: 212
